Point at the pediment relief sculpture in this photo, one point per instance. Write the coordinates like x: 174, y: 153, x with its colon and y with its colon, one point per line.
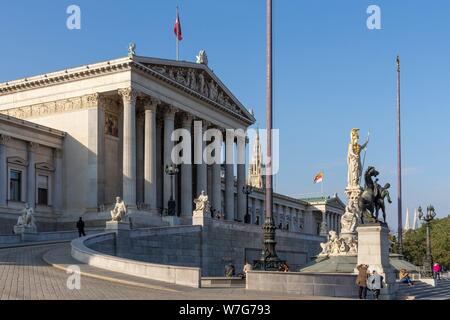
x: 200, y: 82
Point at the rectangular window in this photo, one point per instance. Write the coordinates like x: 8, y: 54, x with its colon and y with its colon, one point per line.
x: 15, y: 185
x: 42, y: 190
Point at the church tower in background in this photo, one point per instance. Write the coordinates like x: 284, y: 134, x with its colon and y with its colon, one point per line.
x: 255, y: 176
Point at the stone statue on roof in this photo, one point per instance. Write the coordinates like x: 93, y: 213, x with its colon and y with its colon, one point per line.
x: 132, y: 50
x: 202, y: 58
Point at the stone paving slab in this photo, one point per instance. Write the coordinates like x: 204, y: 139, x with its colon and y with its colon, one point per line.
x: 61, y: 258
x: 24, y: 275
x: 31, y: 244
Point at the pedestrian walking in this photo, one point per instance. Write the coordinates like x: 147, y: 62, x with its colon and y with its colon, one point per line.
x: 437, y: 271
x: 80, y: 227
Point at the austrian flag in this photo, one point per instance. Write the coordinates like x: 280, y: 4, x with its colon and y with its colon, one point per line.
x: 177, y: 28
x: 318, y: 178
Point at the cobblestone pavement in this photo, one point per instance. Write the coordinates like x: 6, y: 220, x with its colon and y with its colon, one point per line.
x: 25, y: 276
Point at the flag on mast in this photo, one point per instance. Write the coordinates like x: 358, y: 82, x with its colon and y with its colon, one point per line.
x: 319, y: 177
x: 177, y: 27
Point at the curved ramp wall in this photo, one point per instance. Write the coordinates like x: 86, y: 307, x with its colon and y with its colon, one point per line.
x: 81, y: 251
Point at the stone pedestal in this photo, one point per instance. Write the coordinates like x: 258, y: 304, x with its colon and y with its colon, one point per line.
x: 373, y: 250
x: 201, y: 218
x: 24, y: 229
x: 117, y: 226
x: 172, y: 220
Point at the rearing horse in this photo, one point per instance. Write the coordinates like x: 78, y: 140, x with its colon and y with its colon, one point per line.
x: 367, y: 200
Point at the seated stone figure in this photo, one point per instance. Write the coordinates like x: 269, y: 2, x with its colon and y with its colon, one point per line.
x: 202, y: 205
x: 119, y: 211
x: 26, y: 221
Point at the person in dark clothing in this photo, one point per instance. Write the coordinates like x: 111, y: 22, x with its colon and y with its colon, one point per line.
x: 80, y: 227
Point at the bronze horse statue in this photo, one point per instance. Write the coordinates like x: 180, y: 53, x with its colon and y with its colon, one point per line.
x: 368, y: 199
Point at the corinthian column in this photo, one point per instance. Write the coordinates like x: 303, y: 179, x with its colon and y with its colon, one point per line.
x: 241, y: 141
x: 199, y: 147
x: 150, y: 106
x: 31, y: 176
x: 58, y: 200
x: 229, y: 182
x: 129, y: 96
x: 216, y: 183
x: 169, y: 127
x: 3, y: 171
x: 186, y: 176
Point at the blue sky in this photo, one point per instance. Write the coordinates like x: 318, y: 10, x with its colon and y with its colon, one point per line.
x: 331, y: 74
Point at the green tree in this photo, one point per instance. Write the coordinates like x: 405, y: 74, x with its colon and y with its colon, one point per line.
x: 414, y: 243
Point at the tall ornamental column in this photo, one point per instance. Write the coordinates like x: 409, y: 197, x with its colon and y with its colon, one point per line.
x: 199, y: 146
x: 150, y: 107
x: 229, y: 182
x: 241, y: 201
x: 216, y: 182
x: 186, y: 175
x: 3, y: 171
x: 31, y: 174
x: 129, y: 96
x: 169, y: 127
x: 58, y: 199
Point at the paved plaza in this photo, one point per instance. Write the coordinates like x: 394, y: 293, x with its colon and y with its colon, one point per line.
x: 24, y: 275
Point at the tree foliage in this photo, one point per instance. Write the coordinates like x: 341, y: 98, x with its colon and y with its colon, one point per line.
x: 415, y: 241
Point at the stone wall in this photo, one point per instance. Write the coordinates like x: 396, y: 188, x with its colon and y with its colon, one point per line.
x: 177, y: 246
x: 226, y: 242
x: 81, y: 251
x: 210, y: 247
x: 309, y: 284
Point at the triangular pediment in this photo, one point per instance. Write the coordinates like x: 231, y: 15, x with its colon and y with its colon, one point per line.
x: 199, y: 80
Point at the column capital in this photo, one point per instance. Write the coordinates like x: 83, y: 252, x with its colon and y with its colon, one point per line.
x: 186, y: 119
x: 33, y: 146
x: 93, y: 99
x: 150, y: 103
x: 169, y: 112
x: 128, y: 95
x: 4, y: 139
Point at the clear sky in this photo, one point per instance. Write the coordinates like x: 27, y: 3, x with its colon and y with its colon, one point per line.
x: 331, y: 73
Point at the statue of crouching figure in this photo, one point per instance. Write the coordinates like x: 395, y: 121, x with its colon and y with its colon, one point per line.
x: 26, y: 221
x: 120, y: 210
x: 202, y: 205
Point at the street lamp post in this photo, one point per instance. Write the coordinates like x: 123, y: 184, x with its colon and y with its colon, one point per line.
x: 427, y: 218
x: 171, y: 170
x: 247, y: 190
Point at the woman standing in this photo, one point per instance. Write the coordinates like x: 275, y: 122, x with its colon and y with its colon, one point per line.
x: 361, y: 280
x: 375, y: 283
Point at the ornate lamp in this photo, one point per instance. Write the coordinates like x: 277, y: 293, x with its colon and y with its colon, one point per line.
x: 171, y: 170
x: 427, y: 218
x: 247, y: 190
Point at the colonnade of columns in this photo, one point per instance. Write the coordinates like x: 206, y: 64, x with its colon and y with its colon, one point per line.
x: 31, y: 176
x: 333, y: 221
x: 152, y: 107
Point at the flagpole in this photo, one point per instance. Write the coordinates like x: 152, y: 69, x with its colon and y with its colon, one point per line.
x: 178, y: 41
x: 323, y: 181
x: 399, y: 163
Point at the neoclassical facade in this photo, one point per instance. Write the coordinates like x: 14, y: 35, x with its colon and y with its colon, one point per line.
x: 73, y: 140
x: 118, y: 117
x: 31, y: 170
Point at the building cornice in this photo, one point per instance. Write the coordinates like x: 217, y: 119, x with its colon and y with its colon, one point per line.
x: 27, y: 124
x: 68, y: 75
x: 120, y: 65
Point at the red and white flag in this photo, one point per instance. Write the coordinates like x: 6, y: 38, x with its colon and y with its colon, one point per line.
x: 177, y: 28
x: 319, y: 177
